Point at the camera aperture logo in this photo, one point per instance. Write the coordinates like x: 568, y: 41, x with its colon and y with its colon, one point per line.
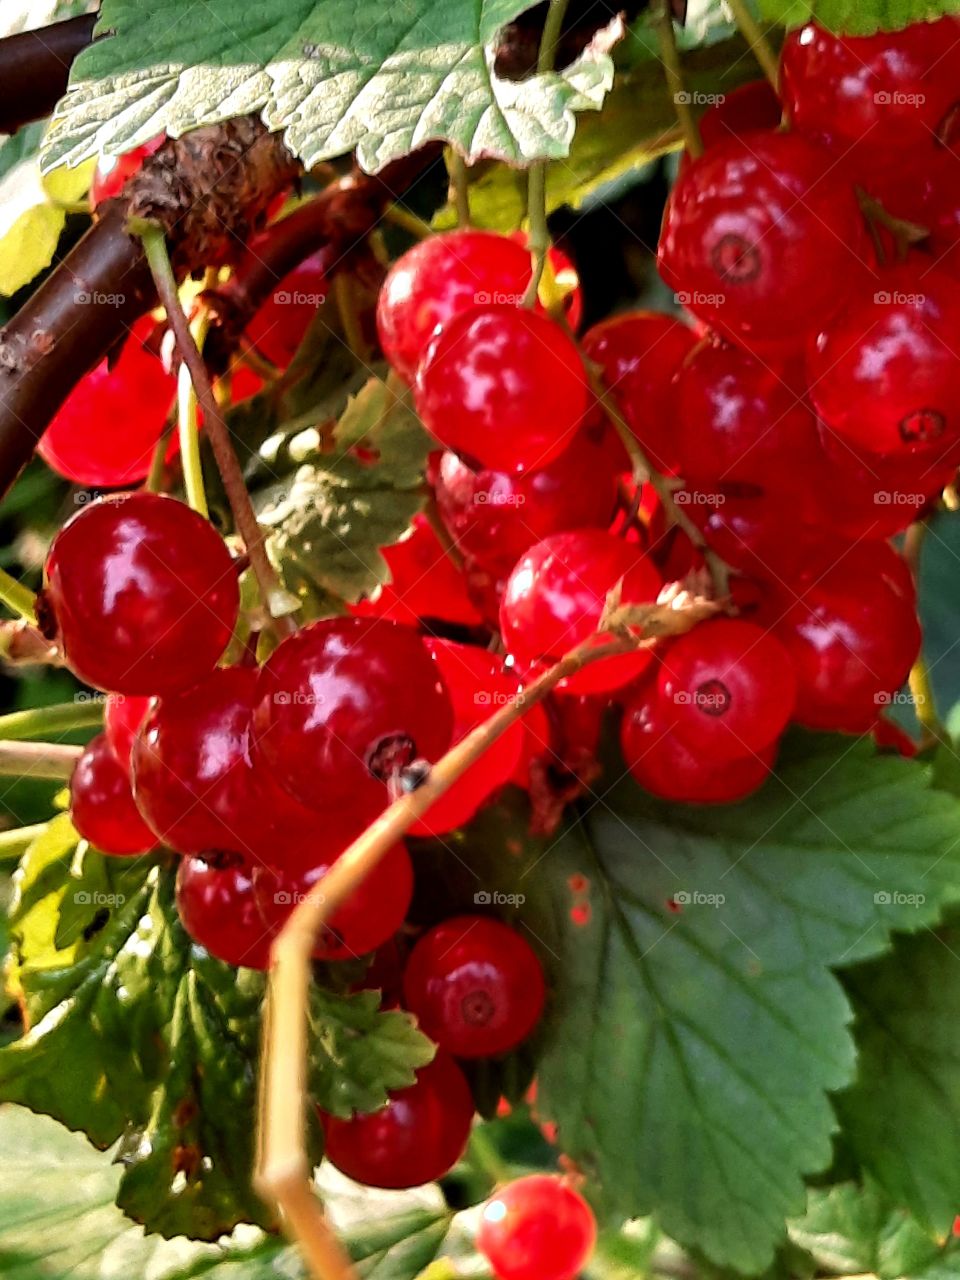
x: 488, y: 898
x: 694, y: 898
x: 94, y: 898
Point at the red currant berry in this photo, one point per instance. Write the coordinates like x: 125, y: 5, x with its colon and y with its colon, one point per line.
x: 884, y: 95
x: 112, y: 172
x: 536, y: 743
x: 475, y: 985
x: 343, y: 706
x: 477, y: 687
x: 740, y: 421
x: 141, y: 593
x: 371, y: 915
x: 732, y: 688
x: 102, y: 807
x: 671, y: 769
x: 853, y: 636
x: 884, y: 373
x: 217, y: 908
x: 106, y: 431
x: 122, y: 717
x: 504, y: 387
x: 769, y: 262
x: 440, y: 278
x: 278, y: 327
x: 192, y: 773
x: 537, y: 1228
x: 751, y: 107
x: 417, y: 1137
x: 494, y: 517
x: 424, y: 583
x: 639, y: 354
x: 555, y: 597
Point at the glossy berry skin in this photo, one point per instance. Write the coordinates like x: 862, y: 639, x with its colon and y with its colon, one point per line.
x: 884, y: 373
x: 740, y: 421
x: 440, y: 278
x: 112, y: 172
x: 732, y: 688
x: 107, y: 429
x: 192, y: 772
x: 495, y: 517
x: 478, y: 687
x: 370, y: 917
x: 751, y: 107
x: 122, y: 717
x: 278, y: 326
x: 102, y: 807
x: 345, y: 703
x: 758, y: 238
x: 142, y: 594
x: 503, y: 387
x: 639, y: 353
x: 853, y: 636
x: 883, y: 96
x: 475, y: 985
x: 672, y: 769
x: 537, y: 1228
x: 424, y: 583
x: 217, y: 908
x: 417, y: 1137
x: 555, y: 597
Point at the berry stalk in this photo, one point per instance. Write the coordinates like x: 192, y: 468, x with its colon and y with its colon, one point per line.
x: 755, y: 37
x: 54, y: 760
x: 277, y: 602
x: 59, y: 717
x: 18, y: 598
x: 670, y: 57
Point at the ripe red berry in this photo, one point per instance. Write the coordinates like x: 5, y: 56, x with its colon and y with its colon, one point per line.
x: 555, y: 597
x: 106, y: 431
x: 639, y: 354
x: 753, y: 106
x: 417, y: 1137
x: 141, y: 594
x: 278, y: 326
x: 440, y: 278
x: 122, y: 717
x: 495, y: 517
x: 475, y: 985
x: 371, y: 915
x: 343, y: 706
x: 672, y: 769
x: 853, y: 636
x: 740, y: 421
x: 503, y: 387
x: 874, y: 98
x: 192, y: 769
x: 217, y: 907
x: 884, y: 373
x: 759, y: 237
x: 102, y: 807
x: 477, y: 687
x: 537, y: 1228
x: 112, y: 172
x: 732, y: 688
x: 424, y: 583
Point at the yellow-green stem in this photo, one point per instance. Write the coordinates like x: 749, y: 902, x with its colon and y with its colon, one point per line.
x: 670, y: 57
x: 459, y: 186
x: 85, y: 712
x: 18, y: 598
x: 753, y: 33
x: 13, y: 844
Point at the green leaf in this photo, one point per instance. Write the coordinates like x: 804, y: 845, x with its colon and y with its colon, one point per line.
x: 711, y: 1034
x: 855, y: 17
x: 358, y: 1052
x: 901, y: 1118
x: 852, y: 1230
x: 638, y: 123
x: 331, y: 520
x: 333, y: 77
x: 32, y: 217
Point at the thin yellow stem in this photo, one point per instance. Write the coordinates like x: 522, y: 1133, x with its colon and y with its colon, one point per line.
x: 18, y: 598
x: 753, y: 33
x: 670, y: 57
x: 459, y: 186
